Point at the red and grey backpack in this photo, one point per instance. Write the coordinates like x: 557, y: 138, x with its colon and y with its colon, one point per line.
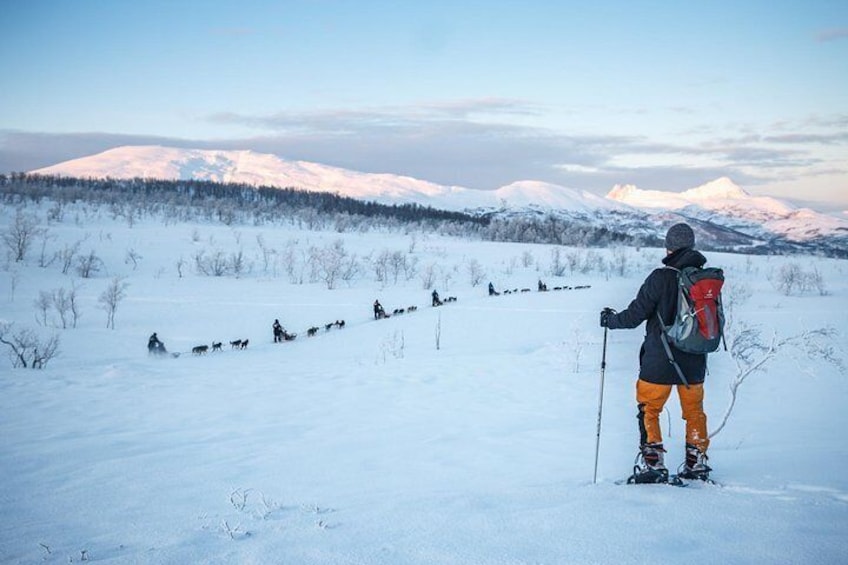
x: 698, y: 325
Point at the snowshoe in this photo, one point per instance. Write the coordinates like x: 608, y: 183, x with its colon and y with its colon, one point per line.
x: 642, y: 476
x: 693, y: 475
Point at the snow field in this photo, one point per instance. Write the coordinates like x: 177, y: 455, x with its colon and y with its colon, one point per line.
x: 368, y: 444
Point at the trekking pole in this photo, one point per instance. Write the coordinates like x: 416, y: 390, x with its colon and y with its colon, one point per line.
x: 600, y: 406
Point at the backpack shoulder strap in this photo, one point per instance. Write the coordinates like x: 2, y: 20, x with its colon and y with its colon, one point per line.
x: 664, y: 338
x: 671, y: 358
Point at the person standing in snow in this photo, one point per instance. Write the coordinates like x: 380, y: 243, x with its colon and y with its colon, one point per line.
x: 278, y: 331
x: 379, y: 312
x: 436, y: 300
x: 657, y: 376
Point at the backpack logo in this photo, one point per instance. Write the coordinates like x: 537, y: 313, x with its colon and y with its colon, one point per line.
x: 698, y: 325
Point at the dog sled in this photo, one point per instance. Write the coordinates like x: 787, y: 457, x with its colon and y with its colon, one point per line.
x: 156, y: 348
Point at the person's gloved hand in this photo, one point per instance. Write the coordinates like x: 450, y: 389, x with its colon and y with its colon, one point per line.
x: 605, y: 316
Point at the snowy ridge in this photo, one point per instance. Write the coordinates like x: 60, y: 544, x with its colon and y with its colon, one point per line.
x: 725, y: 203
x: 721, y: 195
x: 719, y: 204
x: 247, y: 167
x: 263, y: 169
x: 546, y: 195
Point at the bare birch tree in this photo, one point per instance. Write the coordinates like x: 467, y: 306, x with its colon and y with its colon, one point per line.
x: 111, y: 297
x: 18, y: 238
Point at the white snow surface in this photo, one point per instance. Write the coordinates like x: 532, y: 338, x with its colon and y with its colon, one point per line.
x: 463, y: 434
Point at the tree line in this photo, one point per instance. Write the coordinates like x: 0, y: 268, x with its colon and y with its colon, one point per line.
x: 239, y: 203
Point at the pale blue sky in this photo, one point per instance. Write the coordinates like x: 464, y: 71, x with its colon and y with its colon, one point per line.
x: 665, y: 95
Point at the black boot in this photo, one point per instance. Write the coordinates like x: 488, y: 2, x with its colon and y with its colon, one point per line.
x: 649, y: 467
x: 695, y: 467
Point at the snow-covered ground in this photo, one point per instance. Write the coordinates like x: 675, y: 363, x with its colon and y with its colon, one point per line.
x: 460, y: 434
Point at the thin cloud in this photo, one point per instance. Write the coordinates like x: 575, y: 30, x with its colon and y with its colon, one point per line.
x: 385, y: 118
x: 494, y: 106
x: 834, y: 34
x: 804, y: 138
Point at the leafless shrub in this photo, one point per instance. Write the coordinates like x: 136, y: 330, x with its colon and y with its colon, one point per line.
x: 792, y: 278
x: 18, y: 238
x: 428, y: 276
x: 14, y: 278
x: 814, y: 281
x: 267, y: 253
x: 67, y: 255
x: 476, y: 272
x: 215, y: 264
x: 43, y: 304
x: 751, y: 354
x: 380, y: 265
x: 619, y: 262
x: 26, y: 348
x: 43, y: 260
x: 334, y: 263
x: 111, y: 297
x: 577, y: 346
x: 734, y: 294
x: 238, y: 263
x: 557, y: 265
x: 132, y: 257
x: 74, y: 305
x: 61, y: 301
x: 89, y: 265
x: 56, y: 213
x: 233, y: 532
x: 397, y: 264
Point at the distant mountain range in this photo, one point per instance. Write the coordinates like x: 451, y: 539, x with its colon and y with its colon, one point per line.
x: 723, y: 213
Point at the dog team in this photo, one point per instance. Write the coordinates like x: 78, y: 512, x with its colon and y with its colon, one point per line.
x: 156, y: 347
x: 542, y: 287
x: 217, y: 346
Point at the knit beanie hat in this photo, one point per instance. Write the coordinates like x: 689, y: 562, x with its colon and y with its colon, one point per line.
x: 679, y: 236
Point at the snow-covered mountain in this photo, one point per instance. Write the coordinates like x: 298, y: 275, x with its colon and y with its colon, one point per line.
x: 550, y: 196
x: 725, y: 202
x: 252, y: 168
x: 722, y: 196
x: 728, y: 216
x: 260, y: 169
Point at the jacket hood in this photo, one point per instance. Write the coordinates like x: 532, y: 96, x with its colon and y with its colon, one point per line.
x: 686, y: 257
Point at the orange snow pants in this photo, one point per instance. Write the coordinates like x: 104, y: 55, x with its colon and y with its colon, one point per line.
x: 651, y: 399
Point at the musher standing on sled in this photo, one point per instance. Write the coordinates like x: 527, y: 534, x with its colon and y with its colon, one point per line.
x: 657, y: 375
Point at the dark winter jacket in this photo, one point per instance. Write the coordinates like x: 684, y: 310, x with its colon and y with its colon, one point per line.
x: 659, y: 294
